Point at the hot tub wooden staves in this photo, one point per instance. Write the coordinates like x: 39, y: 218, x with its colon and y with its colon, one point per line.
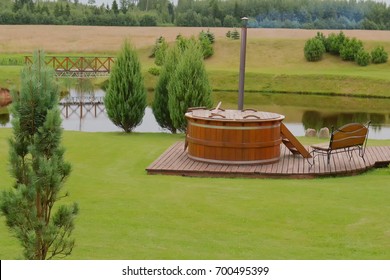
x: 233, y: 137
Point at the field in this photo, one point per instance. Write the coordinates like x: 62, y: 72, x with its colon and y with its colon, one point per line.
x: 126, y: 214
x: 95, y: 39
x: 275, y: 61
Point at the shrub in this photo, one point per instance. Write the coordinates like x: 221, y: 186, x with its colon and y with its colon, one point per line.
x: 235, y: 35
x: 314, y: 49
x: 207, y: 47
x: 160, y: 52
x: 157, y: 44
x: 320, y: 36
x: 148, y: 20
x: 334, y: 42
x: 350, y: 48
x: 183, y: 43
x: 160, y: 103
x: 228, y: 34
x: 125, y: 99
x: 208, y: 34
x: 12, y: 61
x: 188, y: 86
x: 154, y: 71
x: 363, y: 57
x: 379, y: 55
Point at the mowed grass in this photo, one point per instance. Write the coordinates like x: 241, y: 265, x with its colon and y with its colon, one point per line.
x: 127, y: 214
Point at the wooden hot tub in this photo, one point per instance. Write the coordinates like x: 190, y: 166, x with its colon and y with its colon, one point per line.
x: 233, y: 136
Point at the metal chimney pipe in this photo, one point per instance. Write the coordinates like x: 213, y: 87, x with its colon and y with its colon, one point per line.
x: 242, y: 64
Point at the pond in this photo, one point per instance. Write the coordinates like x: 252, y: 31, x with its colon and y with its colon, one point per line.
x: 301, y: 112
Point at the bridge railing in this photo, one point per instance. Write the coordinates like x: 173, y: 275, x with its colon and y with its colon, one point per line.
x: 78, y: 64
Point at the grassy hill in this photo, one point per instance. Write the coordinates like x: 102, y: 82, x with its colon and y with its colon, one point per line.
x: 279, y: 65
x: 275, y: 61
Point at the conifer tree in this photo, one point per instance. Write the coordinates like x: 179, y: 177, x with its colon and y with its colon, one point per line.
x: 38, y: 166
x: 160, y: 103
x: 125, y: 99
x: 188, y: 86
x: 115, y: 7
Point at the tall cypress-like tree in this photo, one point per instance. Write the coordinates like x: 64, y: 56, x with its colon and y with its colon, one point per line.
x: 125, y: 99
x: 115, y: 7
x: 38, y: 166
x: 160, y: 103
x: 188, y: 86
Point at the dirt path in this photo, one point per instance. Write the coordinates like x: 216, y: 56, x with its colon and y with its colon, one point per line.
x: 62, y: 39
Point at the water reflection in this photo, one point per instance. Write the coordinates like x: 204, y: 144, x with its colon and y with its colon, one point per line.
x: 317, y: 120
x: 86, y: 112
x: 4, y: 118
x: 82, y: 110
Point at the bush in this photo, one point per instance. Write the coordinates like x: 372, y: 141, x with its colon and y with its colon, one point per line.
x: 160, y: 52
x: 209, y: 35
x: 314, y: 49
x: 188, y: 86
x: 363, y: 57
x: 154, y: 71
x: 157, y: 44
x: 161, y: 95
x: 125, y: 99
x: 183, y: 43
x: 350, y: 48
x: 207, y: 47
x: 334, y: 43
x: 320, y: 36
x: 206, y: 40
x: 12, y: 61
x: 148, y: 20
x: 228, y: 34
x: 235, y: 35
x: 379, y: 55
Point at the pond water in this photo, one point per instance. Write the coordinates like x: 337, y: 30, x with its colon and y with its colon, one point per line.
x: 301, y: 112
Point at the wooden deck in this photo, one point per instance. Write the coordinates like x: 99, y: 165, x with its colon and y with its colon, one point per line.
x: 174, y: 161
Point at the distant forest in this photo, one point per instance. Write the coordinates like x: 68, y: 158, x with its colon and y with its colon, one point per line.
x: 304, y: 14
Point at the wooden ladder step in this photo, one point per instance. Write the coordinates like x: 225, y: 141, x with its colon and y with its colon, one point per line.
x: 292, y: 142
x: 290, y: 146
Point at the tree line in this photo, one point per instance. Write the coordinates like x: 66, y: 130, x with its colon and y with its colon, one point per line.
x: 306, y: 14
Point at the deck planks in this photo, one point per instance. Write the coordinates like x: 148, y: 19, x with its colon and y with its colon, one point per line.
x: 175, y: 161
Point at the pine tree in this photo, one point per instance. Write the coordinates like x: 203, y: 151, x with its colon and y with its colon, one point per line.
x: 160, y: 102
x: 188, y: 86
x: 38, y: 166
x: 123, y: 6
x: 67, y: 10
x: 115, y: 7
x: 235, y: 35
x: 125, y: 99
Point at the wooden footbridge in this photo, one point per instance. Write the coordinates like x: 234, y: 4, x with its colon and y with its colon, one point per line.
x: 78, y: 67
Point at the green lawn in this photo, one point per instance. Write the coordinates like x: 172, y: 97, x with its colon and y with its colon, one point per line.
x: 126, y: 214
